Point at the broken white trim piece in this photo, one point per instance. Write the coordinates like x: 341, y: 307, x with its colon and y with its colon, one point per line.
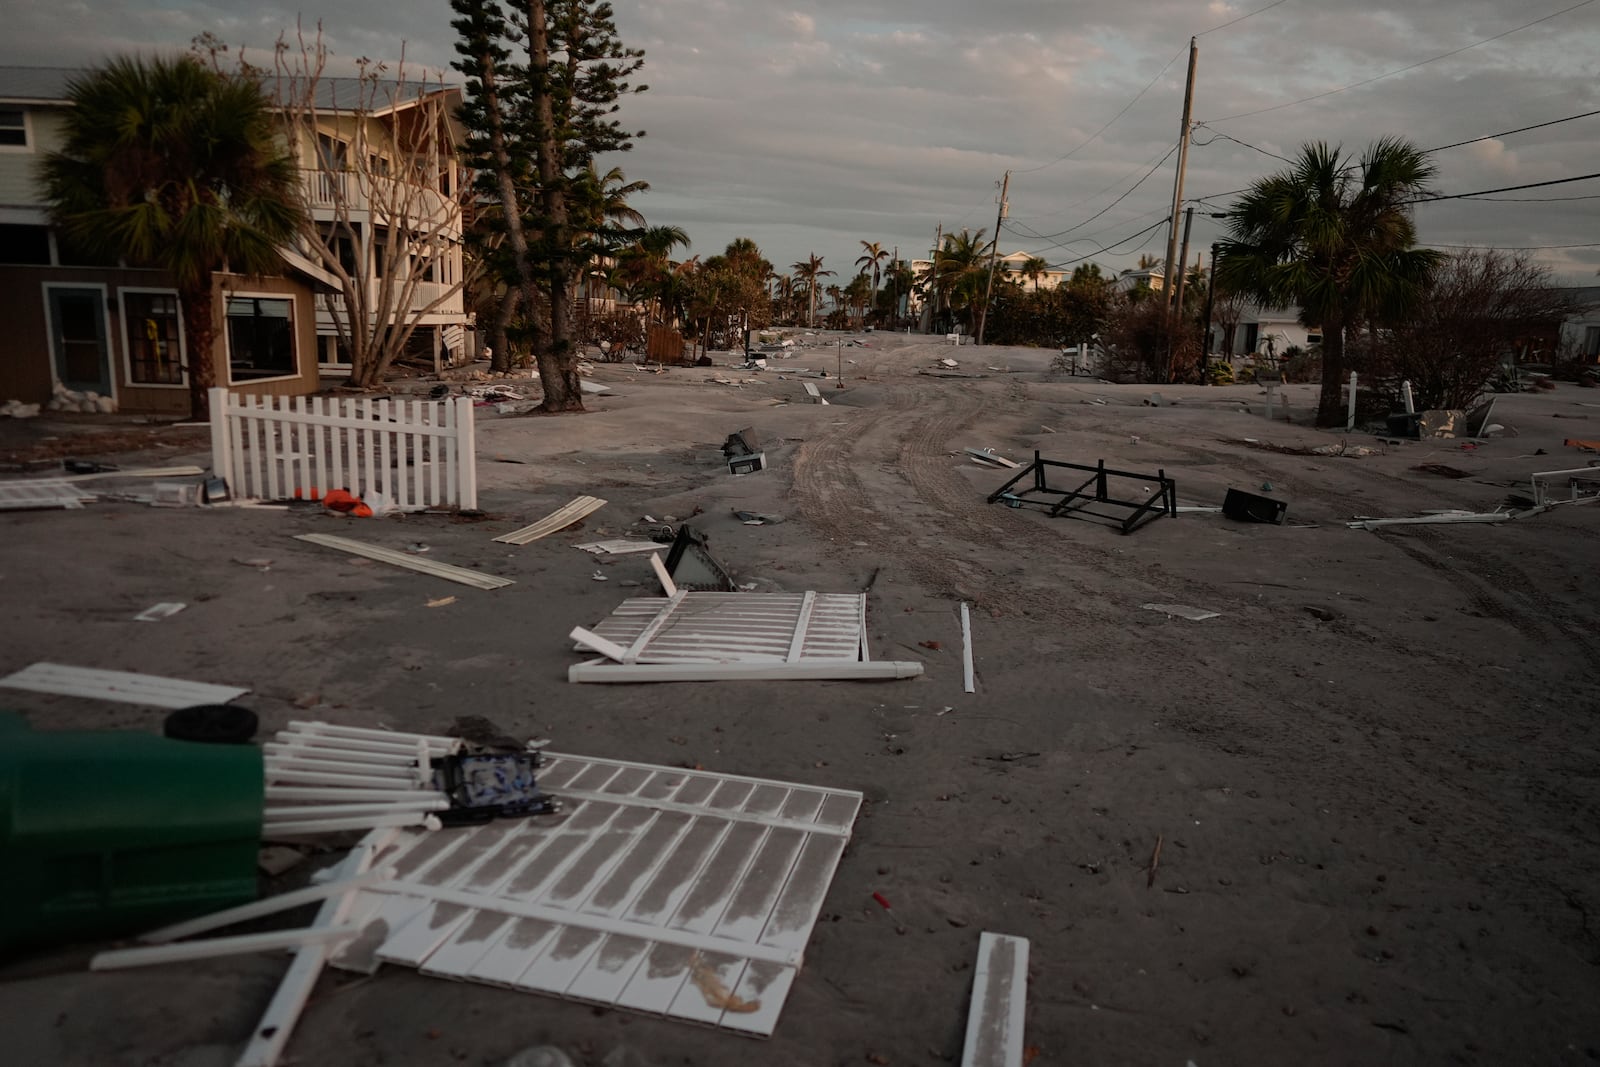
x: 272, y: 1033
x: 668, y: 586
x: 419, y: 801
x: 559, y: 519
x: 270, y: 906
x: 619, y: 548
x: 40, y: 493
x: 596, y: 643
x: 1430, y: 520
x: 277, y: 831
x: 805, y: 670
x: 157, y: 612
x: 118, y: 959
x: 123, y: 686
x: 137, y: 472
x: 997, y: 1014
x: 1539, y: 488
x: 989, y: 456
x: 1191, y: 509
x: 968, y: 682
x: 476, y: 579
x: 1183, y: 611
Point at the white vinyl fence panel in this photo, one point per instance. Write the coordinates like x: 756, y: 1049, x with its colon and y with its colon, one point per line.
x: 415, y: 453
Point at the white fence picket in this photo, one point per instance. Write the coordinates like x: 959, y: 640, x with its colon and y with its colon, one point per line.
x: 273, y: 448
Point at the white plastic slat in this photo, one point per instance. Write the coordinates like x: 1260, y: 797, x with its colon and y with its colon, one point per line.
x: 999, y: 1003
x: 123, y: 686
x: 648, y: 893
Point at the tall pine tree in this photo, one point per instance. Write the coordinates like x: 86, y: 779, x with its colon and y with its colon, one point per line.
x: 543, y: 91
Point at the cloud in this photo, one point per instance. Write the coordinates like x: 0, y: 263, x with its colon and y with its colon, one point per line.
x: 811, y: 126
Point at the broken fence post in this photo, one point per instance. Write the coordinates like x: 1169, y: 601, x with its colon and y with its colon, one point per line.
x: 1407, y: 398
x: 1350, y: 419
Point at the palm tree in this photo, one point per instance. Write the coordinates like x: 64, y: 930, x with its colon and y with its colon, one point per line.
x: 809, y: 270
x: 1334, y: 237
x: 1033, y: 268
x: 873, y: 255
x: 960, y: 270
x: 167, y: 163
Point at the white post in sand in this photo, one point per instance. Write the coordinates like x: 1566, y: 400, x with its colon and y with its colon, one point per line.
x: 1350, y: 420
x: 1405, y: 394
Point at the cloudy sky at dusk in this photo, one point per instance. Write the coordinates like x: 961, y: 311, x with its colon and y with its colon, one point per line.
x: 812, y: 126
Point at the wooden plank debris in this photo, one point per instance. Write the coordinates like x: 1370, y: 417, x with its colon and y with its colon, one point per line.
x: 968, y: 683
x: 476, y: 579
x: 619, y: 547
x: 1183, y: 611
x: 41, y: 493
x: 676, y: 892
x: 989, y: 456
x: 124, y: 686
x: 560, y: 519
x: 996, y: 1016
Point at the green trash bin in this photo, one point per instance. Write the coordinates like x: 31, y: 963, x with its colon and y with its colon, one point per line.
x: 109, y: 833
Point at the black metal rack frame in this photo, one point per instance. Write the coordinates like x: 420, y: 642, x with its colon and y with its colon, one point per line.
x: 1164, y: 501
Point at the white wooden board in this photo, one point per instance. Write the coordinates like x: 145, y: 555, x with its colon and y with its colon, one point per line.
x: 41, y: 493
x: 123, y: 686
x: 476, y: 579
x: 559, y: 519
x: 999, y: 1003
x: 667, y: 891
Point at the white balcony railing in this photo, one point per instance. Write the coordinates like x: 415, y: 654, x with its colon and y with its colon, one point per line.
x: 423, y: 208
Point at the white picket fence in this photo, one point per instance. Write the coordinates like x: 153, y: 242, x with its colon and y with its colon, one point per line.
x: 415, y: 453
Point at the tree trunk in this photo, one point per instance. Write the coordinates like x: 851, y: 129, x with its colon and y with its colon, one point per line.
x: 499, y: 330
x: 1330, y: 405
x: 557, y: 361
x: 199, y: 335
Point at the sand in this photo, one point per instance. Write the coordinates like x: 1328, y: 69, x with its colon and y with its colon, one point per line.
x: 1374, y: 775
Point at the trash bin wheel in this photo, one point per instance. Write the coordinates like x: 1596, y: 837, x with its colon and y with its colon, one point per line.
x: 221, y: 724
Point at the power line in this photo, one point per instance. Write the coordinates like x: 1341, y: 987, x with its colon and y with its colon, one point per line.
x: 1533, y: 199
x: 1402, y: 70
x: 1218, y: 134
x: 1241, y: 18
x: 1086, y: 142
x: 1126, y: 193
x: 1504, y: 189
x: 1108, y: 248
x: 1519, y: 129
x: 1514, y: 248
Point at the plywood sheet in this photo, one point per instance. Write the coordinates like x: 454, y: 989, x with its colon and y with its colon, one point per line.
x: 673, y: 892
x: 124, y: 686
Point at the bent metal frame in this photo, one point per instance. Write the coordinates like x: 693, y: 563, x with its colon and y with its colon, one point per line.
x: 1164, y: 501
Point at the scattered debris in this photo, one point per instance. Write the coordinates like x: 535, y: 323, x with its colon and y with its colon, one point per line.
x: 1581, y: 482
x: 1587, y: 446
x: 157, y: 612
x: 1441, y: 423
x: 997, y: 1013
x: 931, y: 645
x: 260, y: 563
x: 599, y: 576
x: 123, y: 686
x: 968, y: 683
x: 1345, y: 449
x: 567, y: 515
x: 1155, y: 862
x: 1467, y: 516
x: 417, y: 548
x: 700, y: 636
x: 441, y: 602
x: 692, y: 566
x: 477, y: 579
x: 619, y: 547
x: 755, y: 518
x: 1075, y: 501
x: 1442, y: 470
x: 30, y: 494
x: 1183, y: 611
x: 988, y: 455
x: 1248, y: 507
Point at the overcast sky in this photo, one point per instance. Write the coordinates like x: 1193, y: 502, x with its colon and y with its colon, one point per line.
x: 810, y: 127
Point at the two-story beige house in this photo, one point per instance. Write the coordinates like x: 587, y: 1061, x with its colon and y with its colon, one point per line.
x: 115, y: 331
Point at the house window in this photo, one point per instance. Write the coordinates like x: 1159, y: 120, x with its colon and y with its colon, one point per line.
x: 13, y: 127
x: 1591, y: 341
x: 260, y: 337
x: 155, y: 353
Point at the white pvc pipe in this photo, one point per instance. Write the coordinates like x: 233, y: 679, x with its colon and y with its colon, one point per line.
x: 1405, y: 394
x: 967, y: 680
x: 365, y: 770
x: 443, y: 744
x: 421, y: 802
x: 270, y: 906
x: 277, y: 831
x: 276, y: 773
x: 306, y: 752
x: 117, y: 959
x: 357, y: 744
x: 342, y: 794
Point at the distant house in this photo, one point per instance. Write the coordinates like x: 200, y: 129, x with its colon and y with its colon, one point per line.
x: 115, y: 330
x: 1259, y: 327
x: 1153, y: 278
x: 1580, y: 334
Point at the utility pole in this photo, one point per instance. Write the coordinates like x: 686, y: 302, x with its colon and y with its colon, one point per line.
x: 994, y: 253
x: 1183, y: 263
x: 1177, y: 181
x: 1205, y: 336
x: 894, y: 291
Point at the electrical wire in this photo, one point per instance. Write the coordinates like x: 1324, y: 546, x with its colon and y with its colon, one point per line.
x: 1088, y: 140
x: 1241, y: 18
x: 1402, y: 70
x: 1503, y: 189
x: 1125, y: 194
x: 1533, y: 199
x: 1110, y: 247
x: 1218, y: 134
x: 1514, y: 248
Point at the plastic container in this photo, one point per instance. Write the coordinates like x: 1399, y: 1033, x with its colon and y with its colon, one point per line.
x: 107, y: 833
